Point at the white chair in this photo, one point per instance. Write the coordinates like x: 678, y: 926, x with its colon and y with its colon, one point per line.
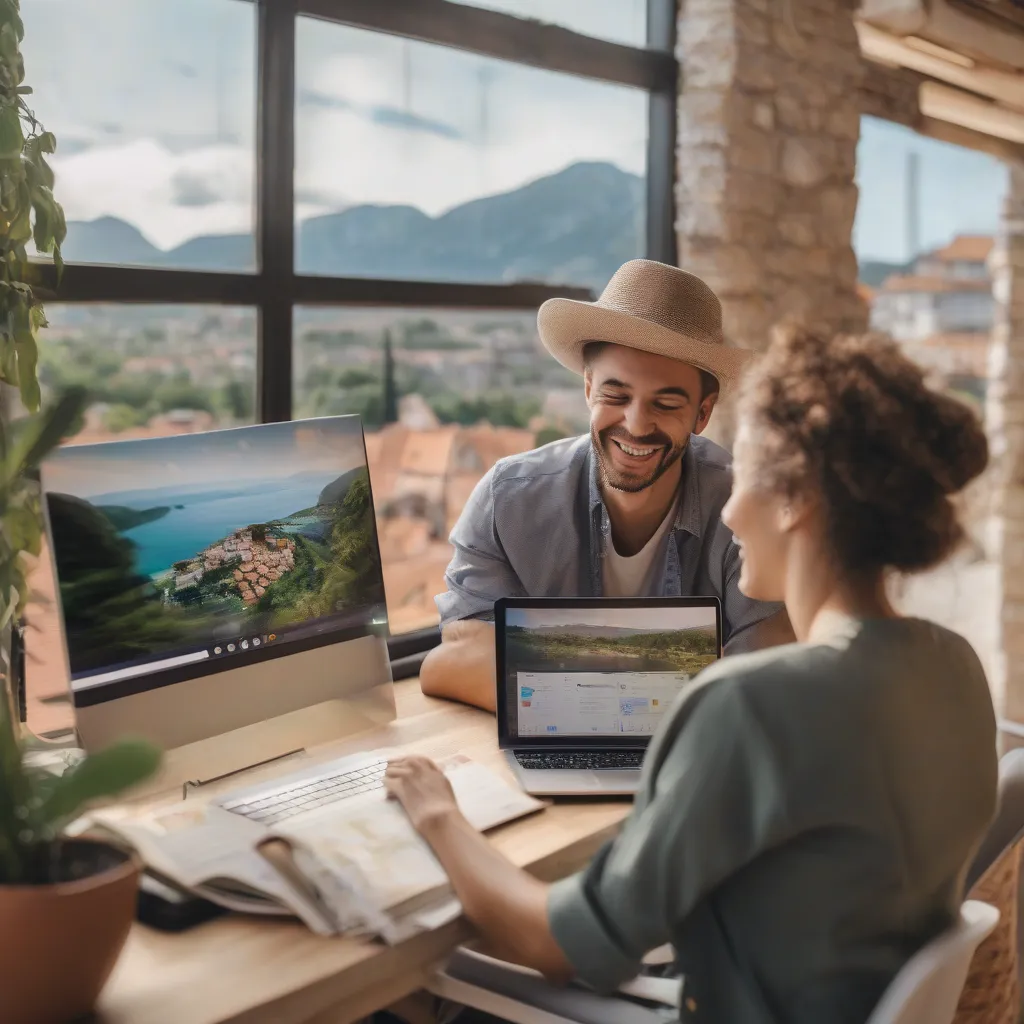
x: 928, y: 988
x: 926, y: 991
x: 522, y: 996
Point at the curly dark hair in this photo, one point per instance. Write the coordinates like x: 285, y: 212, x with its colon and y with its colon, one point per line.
x: 851, y: 418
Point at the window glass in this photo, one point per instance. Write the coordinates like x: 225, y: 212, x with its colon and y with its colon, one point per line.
x: 155, y: 124
x: 925, y: 228
x: 443, y: 394
x: 927, y: 221
x: 149, y: 371
x: 621, y: 21
x: 422, y: 162
x: 152, y: 370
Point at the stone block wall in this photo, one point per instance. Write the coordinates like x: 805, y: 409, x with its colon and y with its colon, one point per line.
x: 768, y: 123
x: 1005, y: 425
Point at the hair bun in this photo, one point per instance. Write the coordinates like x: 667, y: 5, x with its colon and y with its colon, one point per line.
x: 851, y: 418
x: 960, y: 448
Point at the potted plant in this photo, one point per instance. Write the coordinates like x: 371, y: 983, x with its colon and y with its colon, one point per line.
x: 66, y: 904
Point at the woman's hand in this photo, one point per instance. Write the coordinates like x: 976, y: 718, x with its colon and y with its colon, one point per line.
x: 423, y: 790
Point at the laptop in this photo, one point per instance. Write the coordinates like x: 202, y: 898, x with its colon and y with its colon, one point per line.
x: 584, y: 683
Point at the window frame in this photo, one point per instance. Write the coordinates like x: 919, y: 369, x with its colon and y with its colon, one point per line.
x: 274, y: 289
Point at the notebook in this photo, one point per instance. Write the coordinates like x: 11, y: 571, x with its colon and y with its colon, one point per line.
x: 355, y: 867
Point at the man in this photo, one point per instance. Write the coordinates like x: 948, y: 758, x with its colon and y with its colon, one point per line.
x: 630, y: 510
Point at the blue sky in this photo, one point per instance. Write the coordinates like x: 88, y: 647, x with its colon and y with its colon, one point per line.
x: 157, y: 127
x: 960, y: 191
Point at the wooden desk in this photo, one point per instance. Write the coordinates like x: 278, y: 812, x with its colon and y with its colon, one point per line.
x: 260, y: 970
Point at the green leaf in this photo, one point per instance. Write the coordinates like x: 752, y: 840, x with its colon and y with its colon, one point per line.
x: 28, y: 380
x: 8, y: 360
x: 11, y: 138
x: 32, y: 438
x: 103, y: 774
x: 43, y: 230
x: 9, y: 13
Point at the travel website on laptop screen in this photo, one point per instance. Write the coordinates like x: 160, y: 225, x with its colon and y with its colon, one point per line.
x: 182, y: 551
x: 601, y: 671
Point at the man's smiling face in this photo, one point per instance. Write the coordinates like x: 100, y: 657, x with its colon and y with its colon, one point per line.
x: 643, y: 408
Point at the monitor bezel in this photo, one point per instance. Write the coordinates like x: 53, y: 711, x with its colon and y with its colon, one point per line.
x: 102, y: 693
x: 505, y: 740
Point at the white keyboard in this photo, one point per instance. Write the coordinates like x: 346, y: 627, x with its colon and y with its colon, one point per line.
x: 273, y: 804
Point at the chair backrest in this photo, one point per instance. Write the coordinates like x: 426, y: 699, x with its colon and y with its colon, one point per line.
x: 928, y: 988
x: 1009, y: 820
x: 991, y: 992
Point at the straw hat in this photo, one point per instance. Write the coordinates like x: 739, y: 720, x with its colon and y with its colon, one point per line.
x: 650, y: 306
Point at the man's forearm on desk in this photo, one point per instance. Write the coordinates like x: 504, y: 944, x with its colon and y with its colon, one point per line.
x: 461, y: 667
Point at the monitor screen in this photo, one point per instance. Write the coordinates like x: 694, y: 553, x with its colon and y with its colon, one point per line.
x: 182, y: 556
x: 601, y: 671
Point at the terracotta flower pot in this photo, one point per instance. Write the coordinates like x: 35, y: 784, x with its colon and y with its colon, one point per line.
x: 59, y: 943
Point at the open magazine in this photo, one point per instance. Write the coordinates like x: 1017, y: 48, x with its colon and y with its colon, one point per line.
x: 356, y: 866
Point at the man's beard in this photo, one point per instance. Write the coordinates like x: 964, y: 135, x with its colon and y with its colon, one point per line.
x: 644, y: 476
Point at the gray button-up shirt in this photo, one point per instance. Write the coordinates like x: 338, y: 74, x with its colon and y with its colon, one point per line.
x: 535, y: 526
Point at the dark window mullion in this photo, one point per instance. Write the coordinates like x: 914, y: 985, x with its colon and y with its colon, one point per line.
x: 357, y: 291
x: 504, y: 36
x: 661, y: 140
x: 275, y: 206
x: 88, y: 282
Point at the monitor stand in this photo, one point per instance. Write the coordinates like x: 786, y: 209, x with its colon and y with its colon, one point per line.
x: 249, y: 719
x: 284, y: 743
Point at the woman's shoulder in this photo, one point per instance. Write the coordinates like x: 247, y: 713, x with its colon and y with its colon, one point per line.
x: 788, y: 664
x: 846, y: 667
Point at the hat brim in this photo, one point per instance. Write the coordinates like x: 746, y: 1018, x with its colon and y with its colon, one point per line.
x: 567, y: 325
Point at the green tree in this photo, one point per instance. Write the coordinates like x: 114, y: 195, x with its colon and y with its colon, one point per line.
x: 238, y: 400
x: 498, y: 408
x: 182, y: 394
x: 121, y: 417
x: 111, y: 611
x: 390, y: 395
x: 352, y: 577
x: 357, y: 377
x: 547, y: 435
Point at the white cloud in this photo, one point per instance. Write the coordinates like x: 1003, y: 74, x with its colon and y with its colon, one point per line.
x: 140, y: 182
x: 504, y: 125
x: 168, y: 100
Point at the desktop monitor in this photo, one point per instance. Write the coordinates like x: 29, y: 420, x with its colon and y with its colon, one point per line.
x: 221, y: 583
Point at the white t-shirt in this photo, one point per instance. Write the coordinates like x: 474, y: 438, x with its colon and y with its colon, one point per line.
x: 633, y: 576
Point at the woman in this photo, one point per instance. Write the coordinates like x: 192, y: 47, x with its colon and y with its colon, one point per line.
x: 807, y: 812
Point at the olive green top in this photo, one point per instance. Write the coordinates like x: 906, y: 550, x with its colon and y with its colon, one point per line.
x: 805, y: 820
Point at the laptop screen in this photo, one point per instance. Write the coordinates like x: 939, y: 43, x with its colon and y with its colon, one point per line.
x: 602, y: 671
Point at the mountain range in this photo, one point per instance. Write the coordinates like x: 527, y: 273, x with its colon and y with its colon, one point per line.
x: 576, y: 226
x: 605, y: 632
x: 573, y: 227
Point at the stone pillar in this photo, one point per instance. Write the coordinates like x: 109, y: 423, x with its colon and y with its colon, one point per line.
x: 769, y: 119
x: 1005, y: 424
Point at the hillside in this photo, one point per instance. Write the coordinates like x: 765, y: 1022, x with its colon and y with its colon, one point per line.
x: 573, y: 227
x: 336, y: 490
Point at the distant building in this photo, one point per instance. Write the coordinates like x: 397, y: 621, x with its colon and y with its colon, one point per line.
x: 964, y: 259
x: 187, y: 579
x: 912, y: 308
x: 421, y: 481
x: 942, y: 311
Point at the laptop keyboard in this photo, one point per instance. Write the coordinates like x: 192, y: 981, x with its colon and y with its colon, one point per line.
x: 308, y: 794
x: 592, y: 760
